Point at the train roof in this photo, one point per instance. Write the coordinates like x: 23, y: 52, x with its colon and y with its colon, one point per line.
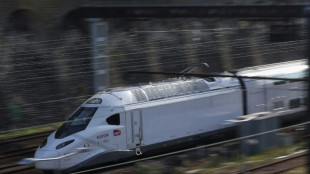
x: 276, y: 69
x: 167, y: 89
x: 187, y: 86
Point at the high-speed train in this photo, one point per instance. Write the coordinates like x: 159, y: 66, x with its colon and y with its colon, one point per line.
x: 129, y: 121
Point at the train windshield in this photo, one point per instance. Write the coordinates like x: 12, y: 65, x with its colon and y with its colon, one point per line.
x: 77, y: 122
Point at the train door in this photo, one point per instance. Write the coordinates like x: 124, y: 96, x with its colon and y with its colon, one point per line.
x: 136, y: 123
x: 258, y: 102
x: 258, y: 97
x: 136, y: 127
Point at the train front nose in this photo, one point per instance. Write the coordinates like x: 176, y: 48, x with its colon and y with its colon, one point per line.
x: 49, y: 159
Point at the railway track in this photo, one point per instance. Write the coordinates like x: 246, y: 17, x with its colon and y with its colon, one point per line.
x: 276, y: 167
x: 15, y: 168
x: 279, y: 166
x: 18, y: 152
x: 9, y: 158
x: 14, y: 148
x: 15, y: 139
x: 9, y: 162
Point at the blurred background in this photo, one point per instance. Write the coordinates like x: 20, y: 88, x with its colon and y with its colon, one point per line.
x: 56, y: 54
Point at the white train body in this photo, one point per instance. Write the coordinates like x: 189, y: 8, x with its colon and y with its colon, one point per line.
x: 134, y: 120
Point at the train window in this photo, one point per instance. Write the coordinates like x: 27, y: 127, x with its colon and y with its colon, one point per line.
x: 77, y: 122
x: 82, y: 116
x: 295, y: 103
x: 114, y: 120
x: 281, y: 82
x: 94, y: 101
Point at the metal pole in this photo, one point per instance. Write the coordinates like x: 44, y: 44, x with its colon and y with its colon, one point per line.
x: 99, y: 39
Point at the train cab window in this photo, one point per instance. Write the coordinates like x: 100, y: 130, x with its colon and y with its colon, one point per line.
x: 77, y: 122
x: 82, y: 116
x: 295, y: 103
x: 114, y: 120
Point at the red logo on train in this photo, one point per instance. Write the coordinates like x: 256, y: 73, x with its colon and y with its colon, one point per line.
x: 117, y: 132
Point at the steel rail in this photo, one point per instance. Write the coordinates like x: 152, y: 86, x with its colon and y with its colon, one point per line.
x: 16, y: 168
x: 18, y: 152
x: 277, y: 166
x: 19, y: 138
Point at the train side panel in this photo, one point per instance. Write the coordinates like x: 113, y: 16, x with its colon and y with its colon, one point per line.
x: 275, y: 96
x: 176, y: 120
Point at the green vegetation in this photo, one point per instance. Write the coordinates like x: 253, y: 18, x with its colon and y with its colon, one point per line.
x: 29, y: 130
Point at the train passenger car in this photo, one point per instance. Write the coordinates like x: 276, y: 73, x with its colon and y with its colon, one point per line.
x: 125, y: 122
x: 280, y: 96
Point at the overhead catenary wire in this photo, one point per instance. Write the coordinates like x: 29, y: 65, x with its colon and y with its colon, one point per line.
x: 87, y: 96
x: 219, y: 75
x: 189, y: 75
x: 165, y: 64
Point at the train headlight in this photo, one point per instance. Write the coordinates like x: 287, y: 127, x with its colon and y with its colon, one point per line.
x: 61, y: 145
x: 43, y: 143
